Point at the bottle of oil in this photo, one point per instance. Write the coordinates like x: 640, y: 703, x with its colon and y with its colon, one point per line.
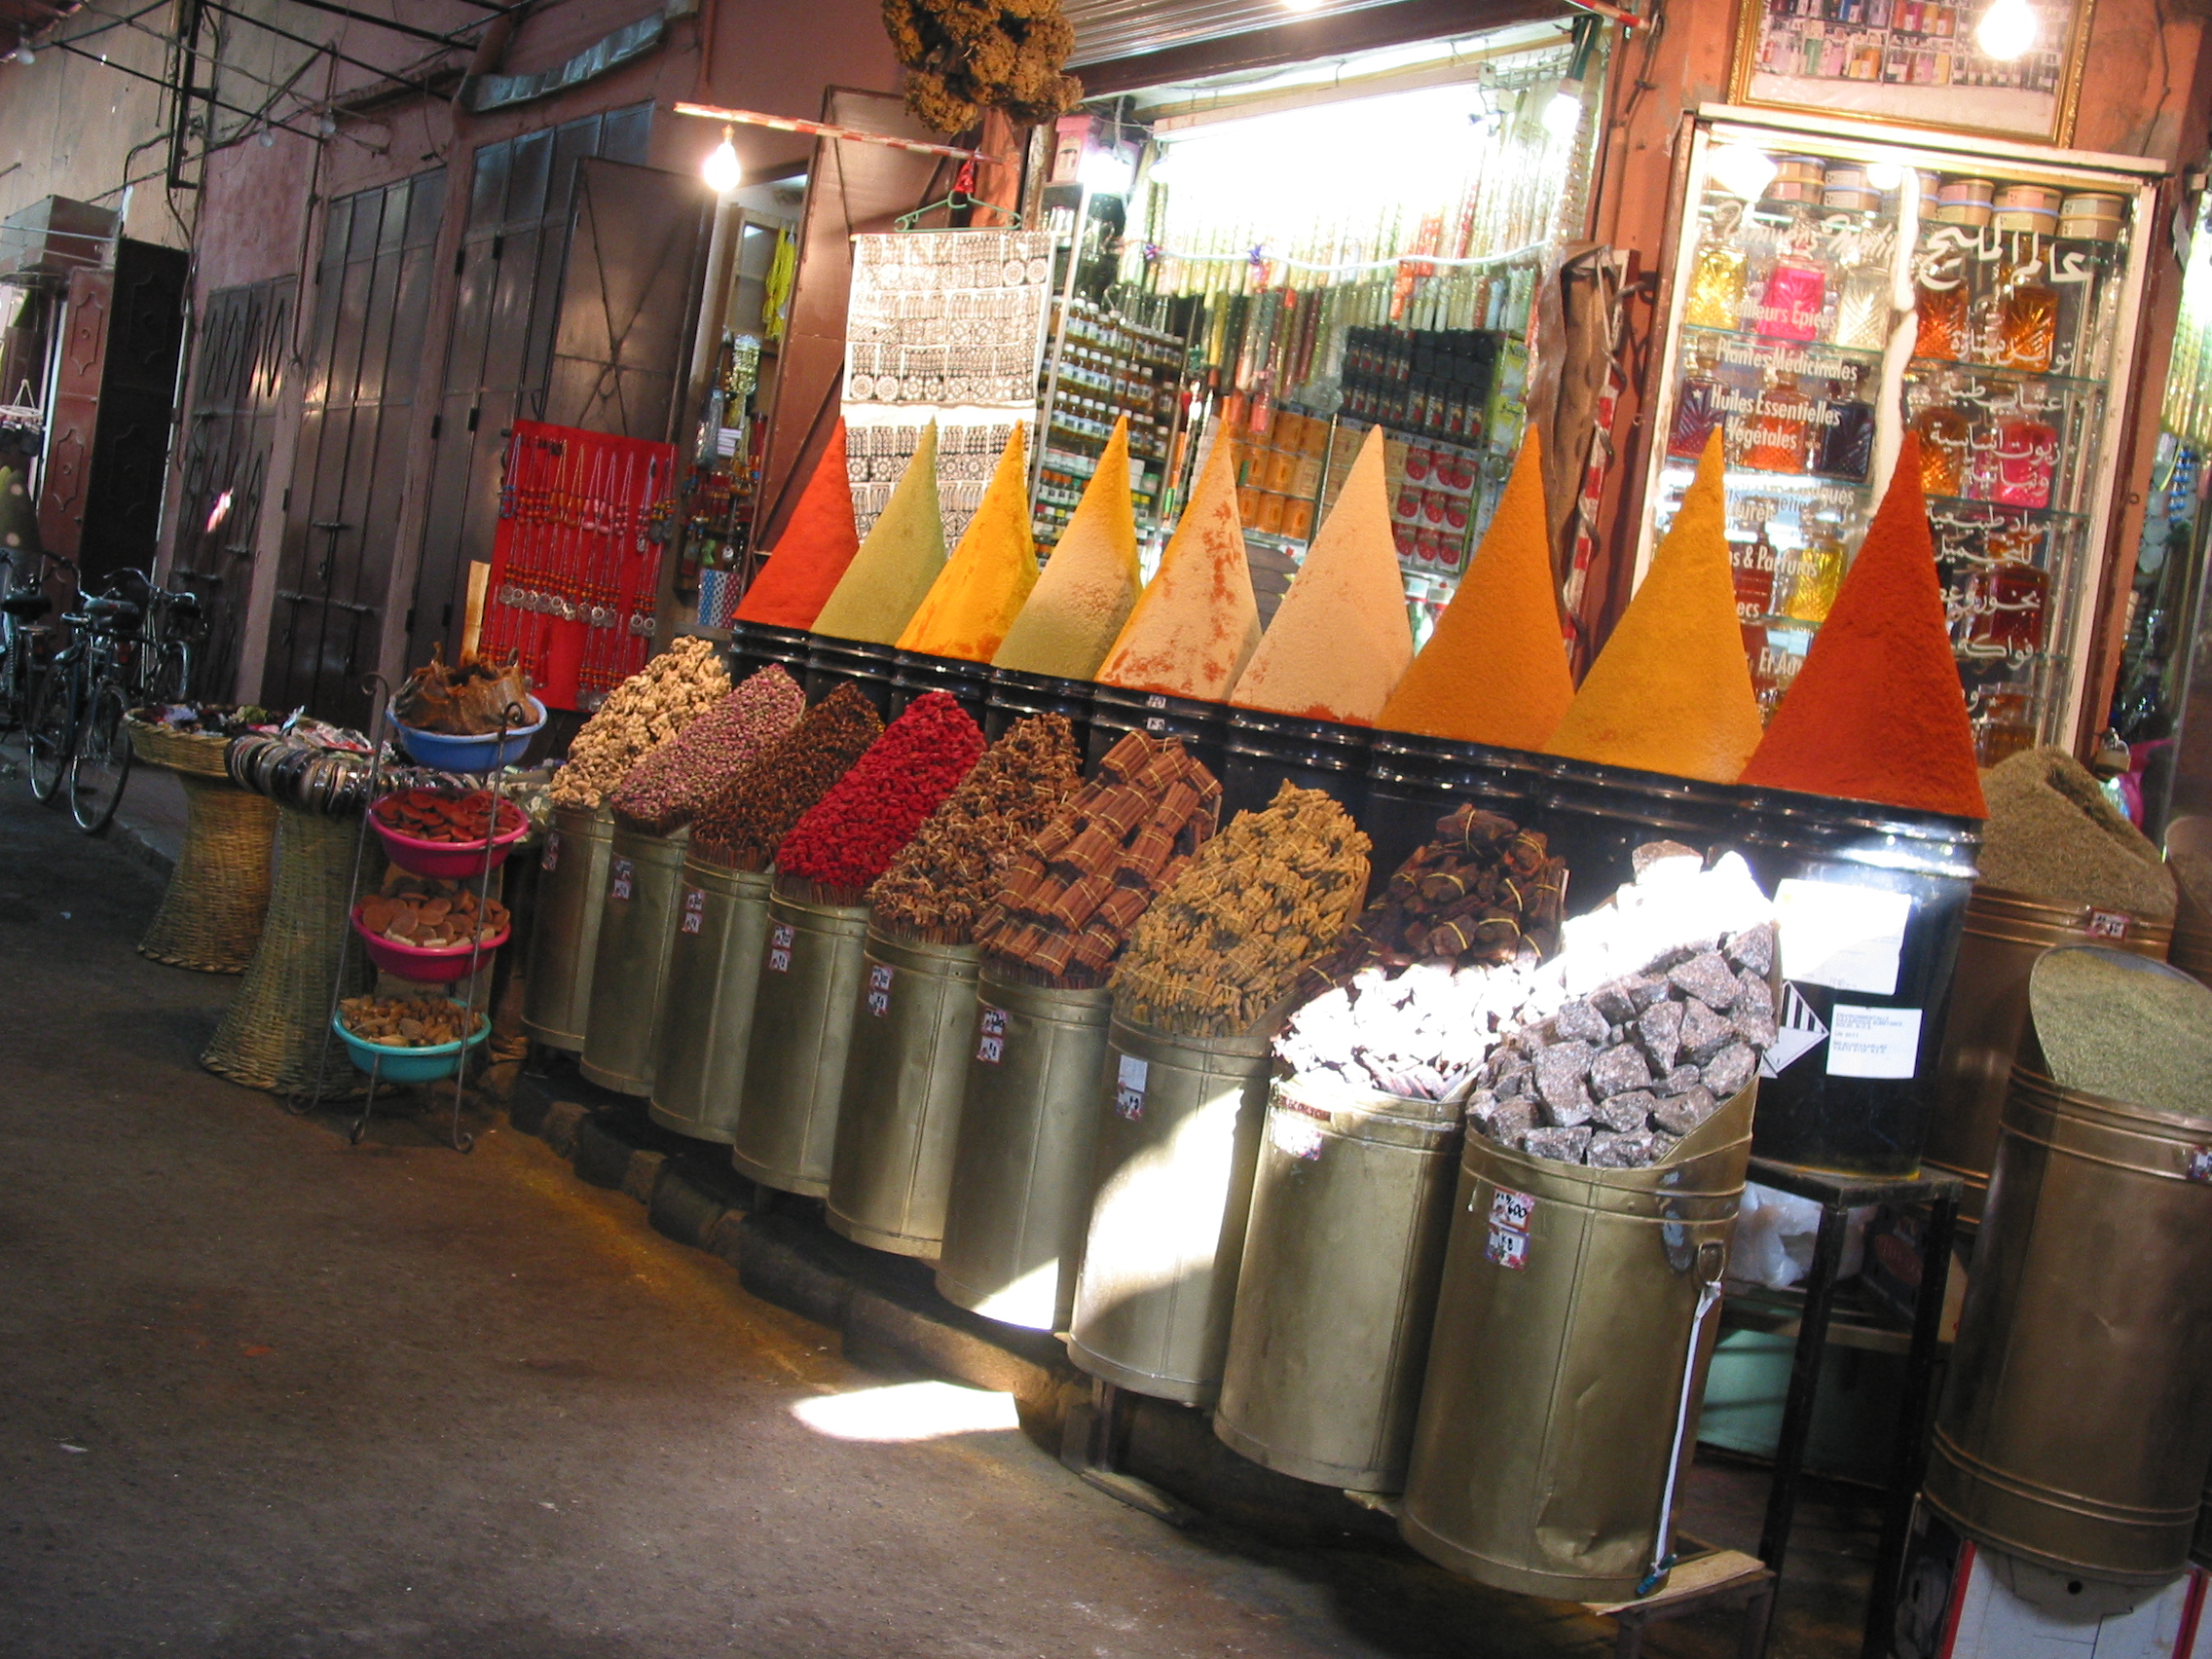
x: 2027, y: 325
x: 1946, y: 442
x: 1717, y: 277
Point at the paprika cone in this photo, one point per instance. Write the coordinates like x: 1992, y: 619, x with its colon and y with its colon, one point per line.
x: 1671, y: 693
x: 1878, y: 712
x: 809, y: 558
x: 1495, y: 671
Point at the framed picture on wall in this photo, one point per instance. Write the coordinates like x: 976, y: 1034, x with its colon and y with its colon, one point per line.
x: 1915, y: 62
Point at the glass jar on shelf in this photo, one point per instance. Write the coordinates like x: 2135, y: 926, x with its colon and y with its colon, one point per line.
x: 1845, y: 447
x: 1813, y: 571
x: 1794, y: 303
x: 1946, y: 442
x: 1751, y: 558
x: 1717, y: 278
x: 1775, y: 436
x: 1863, y: 288
x: 2027, y: 314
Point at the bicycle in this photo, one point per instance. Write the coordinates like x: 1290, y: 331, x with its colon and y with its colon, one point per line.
x: 80, y: 746
x: 24, y: 632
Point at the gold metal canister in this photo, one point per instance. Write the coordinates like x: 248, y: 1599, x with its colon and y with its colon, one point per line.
x: 811, y: 974
x: 1022, y: 1164
x: 1178, y: 1139
x: 905, y: 1083
x: 1572, y: 1331
x: 637, y: 925
x: 564, y: 933
x: 2005, y: 934
x: 1351, y: 1209
x: 706, y: 1010
x: 2077, y: 1424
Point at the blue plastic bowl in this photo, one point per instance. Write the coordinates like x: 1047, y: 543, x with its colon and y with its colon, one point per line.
x: 407, y: 1065
x: 444, y: 754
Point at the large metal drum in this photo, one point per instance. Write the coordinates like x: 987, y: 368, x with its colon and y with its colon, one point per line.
x: 811, y: 974
x: 1573, y: 1327
x: 2077, y: 1425
x: 2005, y: 934
x: 637, y: 923
x: 564, y: 933
x: 706, y: 1018
x: 1177, y: 1143
x: 1022, y: 1164
x: 1351, y: 1209
x: 903, y: 1085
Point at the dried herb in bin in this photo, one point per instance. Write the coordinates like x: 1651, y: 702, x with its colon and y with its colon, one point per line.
x: 645, y: 711
x: 1223, y: 947
x: 744, y: 822
x: 941, y: 879
x: 670, y: 784
x: 851, y: 834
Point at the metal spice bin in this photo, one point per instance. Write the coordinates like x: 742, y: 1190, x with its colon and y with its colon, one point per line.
x: 2004, y: 932
x: 811, y: 974
x: 1572, y: 1330
x: 2077, y: 1424
x: 906, y: 1077
x: 564, y: 933
x: 1178, y: 1143
x: 636, y: 926
x: 706, y: 1018
x: 1351, y: 1209
x: 1020, y: 1198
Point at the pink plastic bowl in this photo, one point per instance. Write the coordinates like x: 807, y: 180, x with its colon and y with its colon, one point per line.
x: 448, y: 860
x: 424, y: 967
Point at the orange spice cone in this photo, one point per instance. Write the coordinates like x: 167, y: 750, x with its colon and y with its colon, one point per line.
x: 1877, y: 713
x: 1089, y: 584
x: 1195, y: 625
x: 984, y: 584
x: 1495, y: 669
x: 1341, y: 641
x: 1671, y: 693
x: 810, y: 557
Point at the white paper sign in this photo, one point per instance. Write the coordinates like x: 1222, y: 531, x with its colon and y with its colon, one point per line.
x: 550, y: 859
x: 1872, y: 1041
x: 1846, y: 938
x: 694, y: 909
x: 620, y: 871
x: 990, y: 1037
x: 1295, y: 1130
x: 878, y: 989
x: 1128, y: 1089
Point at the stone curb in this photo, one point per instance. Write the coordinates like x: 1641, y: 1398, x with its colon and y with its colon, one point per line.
x: 889, y: 1317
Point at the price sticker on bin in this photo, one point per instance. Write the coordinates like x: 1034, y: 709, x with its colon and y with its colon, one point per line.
x: 1510, y: 1215
x: 990, y: 1043
x: 779, y: 940
x: 694, y: 908
x: 624, y: 875
x: 879, y: 989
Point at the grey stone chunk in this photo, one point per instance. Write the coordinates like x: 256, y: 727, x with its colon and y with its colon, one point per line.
x: 1569, y: 1108
x: 1708, y: 978
x: 1624, y: 1113
x: 1759, y: 1027
x: 1615, y: 1036
x: 1578, y: 1022
x: 1644, y: 990
x: 1705, y: 1033
x: 1752, y: 949
x: 1506, y: 1122
x: 1614, y: 1001
x: 1561, y: 1064
x: 1516, y: 1083
x: 1726, y: 1073
x: 1617, y: 1070
x: 1565, y: 1145
x: 1684, y: 1112
x: 1636, y: 1151
x: 1681, y: 1080
x: 1661, y: 1028
x: 1753, y: 992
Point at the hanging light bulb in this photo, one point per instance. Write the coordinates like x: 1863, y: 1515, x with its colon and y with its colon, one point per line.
x: 723, y: 171
x: 1742, y: 170
x: 1563, y: 114
x: 23, y: 54
x: 2008, y: 29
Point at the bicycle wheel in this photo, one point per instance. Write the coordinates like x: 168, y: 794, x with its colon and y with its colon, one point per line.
x: 171, y: 678
x: 52, y: 732
x: 102, y: 764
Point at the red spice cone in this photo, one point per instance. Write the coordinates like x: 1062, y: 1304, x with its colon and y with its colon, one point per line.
x: 816, y: 546
x: 1876, y: 714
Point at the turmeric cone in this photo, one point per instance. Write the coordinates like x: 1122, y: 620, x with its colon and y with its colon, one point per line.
x: 891, y: 574
x: 1671, y: 693
x: 1495, y: 669
x: 984, y: 586
x: 817, y: 545
x: 1341, y: 641
x: 1876, y: 712
x: 1195, y: 625
x: 1091, y: 582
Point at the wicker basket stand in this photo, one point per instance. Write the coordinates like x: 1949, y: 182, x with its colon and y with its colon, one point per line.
x: 211, y: 914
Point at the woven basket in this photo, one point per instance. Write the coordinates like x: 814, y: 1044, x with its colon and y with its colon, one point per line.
x: 276, y: 1034
x: 211, y: 917
x: 185, y: 751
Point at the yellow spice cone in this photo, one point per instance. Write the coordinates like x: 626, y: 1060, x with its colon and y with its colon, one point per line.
x: 1672, y: 692
x: 905, y: 550
x: 1341, y: 641
x: 986, y: 583
x: 1495, y: 671
x: 1089, y: 583
x: 1196, y: 624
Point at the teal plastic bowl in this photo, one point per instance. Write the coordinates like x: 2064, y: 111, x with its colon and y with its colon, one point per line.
x: 486, y: 754
x: 407, y: 1065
